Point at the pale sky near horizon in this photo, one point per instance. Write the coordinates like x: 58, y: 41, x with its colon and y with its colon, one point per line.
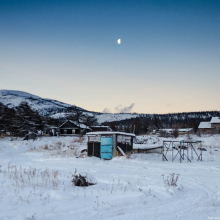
x: 168, y: 59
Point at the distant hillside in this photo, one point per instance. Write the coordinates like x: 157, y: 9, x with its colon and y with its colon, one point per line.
x: 12, y: 98
x: 103, y: 117
x: 56, y: 109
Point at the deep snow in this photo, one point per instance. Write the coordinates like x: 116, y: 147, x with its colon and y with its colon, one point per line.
x: 35, y: 182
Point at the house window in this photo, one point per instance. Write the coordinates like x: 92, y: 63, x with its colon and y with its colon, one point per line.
x: 73, y: 131
x: 65, y: 131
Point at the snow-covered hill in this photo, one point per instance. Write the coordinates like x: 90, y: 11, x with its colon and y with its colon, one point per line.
x: 50, y: 107
x: 13, y: 98
x: 115, y: 117
x: 57, y: 109
x: 102, y: 117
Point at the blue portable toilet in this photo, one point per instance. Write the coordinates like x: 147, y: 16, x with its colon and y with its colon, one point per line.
x: 106, y: 147
x: 105, y: 144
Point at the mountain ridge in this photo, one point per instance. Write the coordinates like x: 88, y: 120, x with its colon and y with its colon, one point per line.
x: 45, y: 106
x: 57, y: 109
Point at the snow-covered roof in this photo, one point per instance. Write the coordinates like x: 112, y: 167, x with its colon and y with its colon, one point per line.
x: 215, y: 120
x: 109, y: 132
x: 77, y: 124
x: 204, y: 124
x: 102, y: 126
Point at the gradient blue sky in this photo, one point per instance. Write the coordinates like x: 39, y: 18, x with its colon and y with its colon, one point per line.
x: 168, y: 61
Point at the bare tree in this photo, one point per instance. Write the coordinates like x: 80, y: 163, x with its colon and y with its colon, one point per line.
x: 89, y: 120
x: 80, y: 116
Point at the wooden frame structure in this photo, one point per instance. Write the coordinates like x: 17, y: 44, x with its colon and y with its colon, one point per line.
x: 183, y: 149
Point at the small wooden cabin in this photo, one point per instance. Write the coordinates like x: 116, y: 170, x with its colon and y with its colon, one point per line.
x: 72, y: 128
x: 105, y: 144
x: 215, y: 122
x: 210, y: 127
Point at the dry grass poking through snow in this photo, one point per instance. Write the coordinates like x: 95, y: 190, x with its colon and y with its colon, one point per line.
x: 19, y: 177
x: 21, y: 185
x: 26, y: 185
x: 73, y: 149
x: 79, y: 140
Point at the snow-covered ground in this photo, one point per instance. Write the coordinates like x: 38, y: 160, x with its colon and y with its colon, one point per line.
x: 153, y: 140
x: 35, y: 182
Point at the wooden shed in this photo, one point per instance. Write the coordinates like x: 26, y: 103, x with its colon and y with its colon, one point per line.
x: 72, y: 128
x: 105, y: 144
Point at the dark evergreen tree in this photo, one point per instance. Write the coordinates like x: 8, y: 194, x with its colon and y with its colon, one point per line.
x: 156, y: 123
x: 8, y: 119
x: 28, y: 120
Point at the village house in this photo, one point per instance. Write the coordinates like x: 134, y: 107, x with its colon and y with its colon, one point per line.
x: 209, y: 126
x: 205, y: 126
x: 72, y: 128
x: 215, y: 122
x: 109, y: 144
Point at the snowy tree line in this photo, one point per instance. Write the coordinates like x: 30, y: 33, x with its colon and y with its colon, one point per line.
x: 146, y: 123
x: 22, y: 119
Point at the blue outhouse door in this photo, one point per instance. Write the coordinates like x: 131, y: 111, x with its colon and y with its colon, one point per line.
x: 106, y: 147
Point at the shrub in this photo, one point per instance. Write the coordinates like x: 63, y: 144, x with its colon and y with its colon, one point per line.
x: 175, y: 133
x: 171, y: 180
x: 83, y: 179
x: 46, y: 147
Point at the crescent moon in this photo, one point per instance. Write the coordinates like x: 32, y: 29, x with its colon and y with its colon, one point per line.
x: 119, y: 41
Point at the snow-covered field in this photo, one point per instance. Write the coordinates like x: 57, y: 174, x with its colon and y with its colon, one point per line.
x: 35, y: 182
